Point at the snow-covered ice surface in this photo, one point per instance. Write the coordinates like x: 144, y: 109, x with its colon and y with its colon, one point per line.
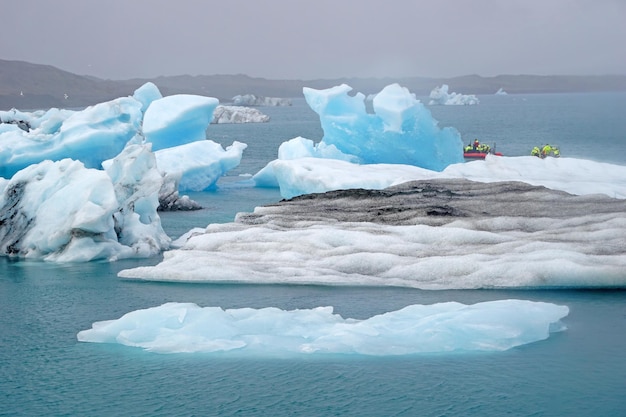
x: 415, y: 329
x: 305, y: 175
x: 433, y: 234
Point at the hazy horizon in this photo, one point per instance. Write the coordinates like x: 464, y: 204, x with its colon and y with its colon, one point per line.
x: 280, y: 39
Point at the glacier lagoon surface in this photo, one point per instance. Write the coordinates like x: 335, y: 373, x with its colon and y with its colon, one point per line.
x: 576, y: 372
x: 579, y: 371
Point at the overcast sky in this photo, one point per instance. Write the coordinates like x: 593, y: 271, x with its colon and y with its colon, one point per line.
x: 303, y: 39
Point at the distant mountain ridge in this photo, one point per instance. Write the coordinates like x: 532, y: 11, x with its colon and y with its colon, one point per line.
x: 26, y: 86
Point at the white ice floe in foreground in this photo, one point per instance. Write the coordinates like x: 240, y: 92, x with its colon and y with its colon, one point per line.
x: 440, y: 95
x: 415, y: 329
x: 499, y: 253
x: 543, y: 246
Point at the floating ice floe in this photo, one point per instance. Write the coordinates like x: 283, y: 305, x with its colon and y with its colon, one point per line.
x: 238, y: 114
x: 430, y: 234
x: 415, y: 329
x: 305, y: 175
x: 253, y: 100
x: 440, y: 95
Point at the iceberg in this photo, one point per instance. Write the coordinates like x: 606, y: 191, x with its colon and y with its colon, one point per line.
x: 253, y: 100
x: 177, y: 120
x: 400, y: 131
x: 198, y: 165
x: 501, y: 92
x: 91, y: 135
x: 238, y: 114
x: 440, y: 95
x: 170, y: 198
x: 59, y: 205
x: 416, y: 329
x: 99, y: 133
x: 146, y: 94
x: 62, y: 211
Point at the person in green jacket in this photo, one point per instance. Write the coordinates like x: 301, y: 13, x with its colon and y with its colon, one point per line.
x: 535, y: 152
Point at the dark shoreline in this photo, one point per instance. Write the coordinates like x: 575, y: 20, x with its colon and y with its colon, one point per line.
x: 25, y: 85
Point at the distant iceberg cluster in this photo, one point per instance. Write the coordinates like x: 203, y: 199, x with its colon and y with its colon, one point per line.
x: 441, y: 96
x: 253, y: 100
x: 501, y: 92
x: 415, y: 329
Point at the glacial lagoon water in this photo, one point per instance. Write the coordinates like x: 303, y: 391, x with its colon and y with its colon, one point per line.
x: 578, y: 372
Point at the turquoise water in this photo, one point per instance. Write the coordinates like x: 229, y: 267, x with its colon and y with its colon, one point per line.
x: 588, y: 126
x: 579, y: 372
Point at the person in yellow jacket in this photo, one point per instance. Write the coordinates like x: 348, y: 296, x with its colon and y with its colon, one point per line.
x: 546, y: 150
x: 535, y: 152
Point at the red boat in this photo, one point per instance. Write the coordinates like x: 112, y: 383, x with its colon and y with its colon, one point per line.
x: 476, y: 154
x: 477, y: 150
